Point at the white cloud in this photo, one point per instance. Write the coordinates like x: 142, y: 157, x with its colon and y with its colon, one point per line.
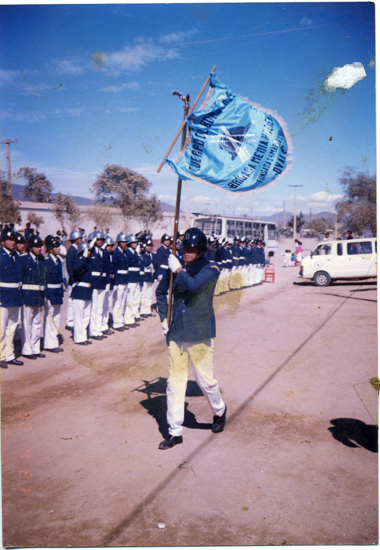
x: 28, y: 116
x: 71, y: 66
x: 124, y: 86
x: 173, y: 37
x: 71, y: 111
x: 129, y: 110
x: 133, y: 58
x: 306, y: 21
x: 344, y: 77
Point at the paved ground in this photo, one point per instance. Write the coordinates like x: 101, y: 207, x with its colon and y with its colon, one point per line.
x: 296, y: 464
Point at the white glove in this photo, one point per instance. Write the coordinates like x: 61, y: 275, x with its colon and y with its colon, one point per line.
x: 174, y: 263
x: 164, y: 327
x: 92, y: 243
x: 108, y: 286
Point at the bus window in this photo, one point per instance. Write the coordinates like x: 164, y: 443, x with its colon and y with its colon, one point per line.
x: 239, y: 227
x: 247, y: 228
x: 231, y: 228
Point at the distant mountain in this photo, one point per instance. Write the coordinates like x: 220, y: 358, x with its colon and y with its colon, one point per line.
x: 17, y: 193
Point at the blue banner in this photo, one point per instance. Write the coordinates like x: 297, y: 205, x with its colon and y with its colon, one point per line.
x: 232, y: 144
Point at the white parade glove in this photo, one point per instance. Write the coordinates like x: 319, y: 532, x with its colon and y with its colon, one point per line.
x: 108, y: 286
x: 92, y: 243
x: 164, y: 327
x: 174, y: 263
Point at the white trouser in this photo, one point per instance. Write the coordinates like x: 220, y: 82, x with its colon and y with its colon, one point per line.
x: 133, y: 303
x: 119, y: 307
x: 9, y: 317
x: 97, y: 311
x: 69, y: 314
x: 236, y: 277
x: 201, y: 354
x: 251, y: 276
x: 106, y: 311
x: 146, y: 298
x: 52, y: 319
x: 259, y: 273
x: 82, y: 314
x: 32, y: 329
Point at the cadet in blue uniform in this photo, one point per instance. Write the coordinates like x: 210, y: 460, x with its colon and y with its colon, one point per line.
x: 133, y: 289
x: 81, y: 294
x: 149, y: 267
x: 10, y: 297
x: 120, y: 260
x: 34, y: 279
x: 110, y: 288
x: 99, y: 261
x: 191, y: 333
x: 75, y: 238
x: 163, y: 254
x: 54, y: 294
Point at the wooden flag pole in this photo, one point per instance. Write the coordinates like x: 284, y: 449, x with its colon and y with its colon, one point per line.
x: 177, y: 202
x: 184, y: 122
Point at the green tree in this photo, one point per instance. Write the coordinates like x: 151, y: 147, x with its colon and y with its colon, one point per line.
x: 122, y: 188
x: 317, y: 226
x: 299, y: 222
x: 66, y: 211
x: 38, y: 188
x: 357, y: 210
x: 35, y: 220
x: 9, y: 208
x: 149, y: 212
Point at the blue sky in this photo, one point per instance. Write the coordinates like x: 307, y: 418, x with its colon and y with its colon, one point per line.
x: 83, y: 86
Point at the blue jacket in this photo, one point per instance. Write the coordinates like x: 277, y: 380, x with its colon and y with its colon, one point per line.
x: 134, y: 266
x: 163, y: 254
x: 10, y: 280
x: 120, y: 260
x: 112, y: 269
x: 34, y: 279
x: 235, y: 248
x: 100, y: 266
x: 82, y: 288
x: 193, y: 313
x: 71, y: 255
x: 54, y: 289
x: 148, y: 267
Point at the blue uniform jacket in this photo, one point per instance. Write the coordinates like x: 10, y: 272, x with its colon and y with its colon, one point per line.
x: 148, y: 267
x: 193, y: 314
x: 34, y: 279
x: 163, y: 254
x: 71, y: 255
x: 82, y: 288
x: 120, y: 260
x: 235, y: 248
x: 134, y: 266
x: 112, y: 269
x: 10, y: 280
x: 54, y: 290
x: 100, y: 266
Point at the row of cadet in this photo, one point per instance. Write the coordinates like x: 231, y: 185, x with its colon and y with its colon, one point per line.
x: 108, y: 285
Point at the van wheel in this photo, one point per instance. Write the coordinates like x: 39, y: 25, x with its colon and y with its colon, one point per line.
x: 321, y: 278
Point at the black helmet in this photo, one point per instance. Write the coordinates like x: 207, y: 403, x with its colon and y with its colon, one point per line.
x: 7, y: 234
x: 196, y: 238
x: 165, y: 237
x: 20, y: 239
x: 149, y: 242
x: 35, y: 240
x: 52, y: 241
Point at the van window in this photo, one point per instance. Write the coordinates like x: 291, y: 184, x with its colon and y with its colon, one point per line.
x: 366, y: 247
x: 339, y: 249
x: 322, y: 250
x: 353, y: 248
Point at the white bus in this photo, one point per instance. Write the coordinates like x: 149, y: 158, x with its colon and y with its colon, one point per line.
x: 229, y: 226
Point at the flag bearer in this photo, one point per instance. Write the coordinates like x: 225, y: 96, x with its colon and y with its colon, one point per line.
x: 149, y: 266
x: 99, y: 262
x: 133, y: 289
x: 121, y: 281
x: 191, y: 333
x: 34, y: 279
x: 82, y: 294
x: 54, y: 294
x: 75, y: 238
x: 10, y: 297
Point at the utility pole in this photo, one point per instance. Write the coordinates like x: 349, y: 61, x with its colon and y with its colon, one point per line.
x: 8, y: 162
x: 295, y: 209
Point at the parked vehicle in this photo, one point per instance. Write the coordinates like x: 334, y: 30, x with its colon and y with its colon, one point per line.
x: 331, y: 260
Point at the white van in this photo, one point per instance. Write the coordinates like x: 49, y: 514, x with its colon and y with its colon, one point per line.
x: 330, y: 260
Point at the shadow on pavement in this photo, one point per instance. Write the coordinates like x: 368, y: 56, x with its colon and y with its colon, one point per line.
x: 155, y: 404
x: 355, y: 433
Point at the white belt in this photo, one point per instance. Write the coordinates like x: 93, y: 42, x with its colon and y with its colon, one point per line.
x: 164, y: 266
x: 123, y: 271
x: 87, y: 285
x: 134, y: 269
x: 54, y: 286
x: 33, y: 287
x: 10, y: 285
x: 98, y: 274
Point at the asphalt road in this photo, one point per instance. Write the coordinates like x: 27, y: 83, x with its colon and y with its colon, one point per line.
x: 296, y: 464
